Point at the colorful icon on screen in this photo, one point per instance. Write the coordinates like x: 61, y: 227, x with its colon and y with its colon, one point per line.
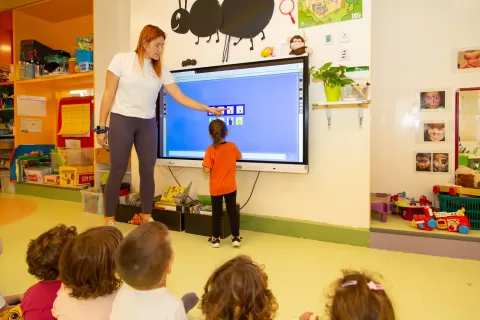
x: 231, y: 110
x: 230, y: 121
x: 239, y: 121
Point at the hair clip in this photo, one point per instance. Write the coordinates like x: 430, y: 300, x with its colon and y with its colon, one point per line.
x: 375, y: 286
x: 349, y: 283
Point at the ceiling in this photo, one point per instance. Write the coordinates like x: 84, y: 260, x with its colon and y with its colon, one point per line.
x: 12, y: 4
x: 50, y: 10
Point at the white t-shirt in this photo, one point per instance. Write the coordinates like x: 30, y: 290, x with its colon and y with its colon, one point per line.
x: 158, y: 304
x: 137, y: 89
x: 66, y: 307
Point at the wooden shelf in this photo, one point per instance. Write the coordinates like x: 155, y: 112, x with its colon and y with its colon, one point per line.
x: 8, y: 83
x: 7, y: 109
x: 6, y: 136
x: 341, y: 104
x: 74, y: 81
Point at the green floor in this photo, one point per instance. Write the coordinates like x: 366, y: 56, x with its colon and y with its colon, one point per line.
x: 299, y: 270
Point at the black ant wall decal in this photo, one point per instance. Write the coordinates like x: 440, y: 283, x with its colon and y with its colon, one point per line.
x: 203, y: 20
x: 242, y: 19
x: 246, y: 19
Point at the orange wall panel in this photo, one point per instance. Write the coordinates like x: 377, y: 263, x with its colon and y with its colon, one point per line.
x: 6, y: 37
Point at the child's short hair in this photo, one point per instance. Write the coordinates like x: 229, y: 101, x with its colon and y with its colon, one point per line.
x: 87, y: 265
x: 356, y: 296
x: 44, y: 252
x: 238, y: 290
x: 144, y: 255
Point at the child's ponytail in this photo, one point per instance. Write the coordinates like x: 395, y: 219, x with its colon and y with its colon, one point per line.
x: 218, y: 131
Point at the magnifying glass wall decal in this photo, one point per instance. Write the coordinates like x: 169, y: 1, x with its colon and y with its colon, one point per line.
x: 286, y: 8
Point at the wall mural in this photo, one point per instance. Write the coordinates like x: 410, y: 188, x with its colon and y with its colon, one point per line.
x: 242, y: 19
x: 316, y: 12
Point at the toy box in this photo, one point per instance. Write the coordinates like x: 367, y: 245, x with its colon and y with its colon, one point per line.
x: 52, y: 179
x: 36, y: 174
x: 76, y: 176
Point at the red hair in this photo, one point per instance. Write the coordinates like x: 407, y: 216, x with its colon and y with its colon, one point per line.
x: 148, y: 34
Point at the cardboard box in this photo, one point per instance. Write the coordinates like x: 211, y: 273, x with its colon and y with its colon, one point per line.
x: 52, y: 179
x: 76, y: 176
x: 103, y: 156
x: 36, y: 174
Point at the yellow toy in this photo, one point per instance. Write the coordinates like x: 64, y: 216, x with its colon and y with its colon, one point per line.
x: 267, y: 52
x: 14, y: 313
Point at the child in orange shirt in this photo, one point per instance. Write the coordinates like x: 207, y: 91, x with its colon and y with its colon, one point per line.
x: 221, y: 162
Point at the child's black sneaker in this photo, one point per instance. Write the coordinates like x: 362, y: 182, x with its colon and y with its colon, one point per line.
x: 214, y: 243
x: 236, y: 241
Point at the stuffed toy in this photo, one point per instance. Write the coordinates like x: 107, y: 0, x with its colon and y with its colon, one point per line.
x: 14, y: 313
x: 298, y: 47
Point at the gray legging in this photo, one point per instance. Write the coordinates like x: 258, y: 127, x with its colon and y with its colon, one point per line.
x: 125, y: 132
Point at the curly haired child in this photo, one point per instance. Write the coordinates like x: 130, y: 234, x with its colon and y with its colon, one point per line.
x: 238, y: 290
x: 220, y: 162
x: 87, y: 271
x: 356, y: 296
x: 43, y: 255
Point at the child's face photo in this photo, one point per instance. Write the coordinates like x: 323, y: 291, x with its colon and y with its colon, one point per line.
x: 440, y: 162
x: 434, y: 132
x: 432, y: 100
x: 469, y: 59
x: 423, y: 162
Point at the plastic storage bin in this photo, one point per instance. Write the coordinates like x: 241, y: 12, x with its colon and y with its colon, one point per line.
x: 92, y: 200
x: 5, y: 184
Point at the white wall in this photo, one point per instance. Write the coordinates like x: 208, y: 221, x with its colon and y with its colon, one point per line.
x: 111, y: 30
x: 414, y: 45
x: 336, y: 190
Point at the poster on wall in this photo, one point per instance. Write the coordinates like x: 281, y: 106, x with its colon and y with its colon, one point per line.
x: 433, y: 162
x: 440, y: 162
x: 433, y: 132
x: 423, y: 162
x: 317, y: 12
x: 468, y: 59
x: 432, y: 100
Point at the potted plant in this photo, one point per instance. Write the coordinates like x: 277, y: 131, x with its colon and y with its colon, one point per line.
x: 333, y: 79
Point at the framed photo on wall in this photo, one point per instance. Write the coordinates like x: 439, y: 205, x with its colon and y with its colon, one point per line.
x: 440, y: 162
x: 431, y: 100
x: 468, y: 58
x: 423, y: 161
x: 433, y: 132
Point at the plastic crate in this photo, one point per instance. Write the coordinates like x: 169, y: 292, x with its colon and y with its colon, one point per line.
x: 471, y: 205
x: 92, y: 200
x: 5, y: 184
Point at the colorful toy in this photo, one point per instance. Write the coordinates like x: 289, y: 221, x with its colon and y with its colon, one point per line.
x: 452, y: 221
x: 268, y: 52
x: 424, y: 221
x: 135, y: 220
x: 408, y: 208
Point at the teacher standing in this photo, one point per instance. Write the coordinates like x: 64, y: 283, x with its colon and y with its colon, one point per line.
x: 134, y: 80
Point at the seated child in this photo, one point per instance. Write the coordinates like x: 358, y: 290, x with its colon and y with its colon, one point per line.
x: 238, y: 290
x: 87, y: 272
x: 356, y: 296
x: 144, y: 260
x: 43, y: 255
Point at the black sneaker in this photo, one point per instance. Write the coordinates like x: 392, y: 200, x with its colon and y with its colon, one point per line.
x: 236, y: 241
x: 215, y: 243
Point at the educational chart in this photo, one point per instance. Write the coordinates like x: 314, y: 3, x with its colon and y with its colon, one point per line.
x: 317, y: 12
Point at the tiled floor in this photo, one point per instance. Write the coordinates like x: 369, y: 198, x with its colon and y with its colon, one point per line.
x: 299, y: 270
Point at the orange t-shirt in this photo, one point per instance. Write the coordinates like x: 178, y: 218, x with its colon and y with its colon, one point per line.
x: 222, y: 160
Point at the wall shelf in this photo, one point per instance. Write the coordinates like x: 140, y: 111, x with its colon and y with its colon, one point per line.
x: 8, y: 83
x: 341, y: 104
x: 83, y: 80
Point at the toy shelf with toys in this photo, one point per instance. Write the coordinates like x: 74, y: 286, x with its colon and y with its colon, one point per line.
x: 456, y: 215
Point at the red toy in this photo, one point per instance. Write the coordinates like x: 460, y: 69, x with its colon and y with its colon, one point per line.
x: 450, y: 221
x: 424, y: 221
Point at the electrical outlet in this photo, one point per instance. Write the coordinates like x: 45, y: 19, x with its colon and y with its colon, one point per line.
x: 344, y: 55
x: 344, y: 37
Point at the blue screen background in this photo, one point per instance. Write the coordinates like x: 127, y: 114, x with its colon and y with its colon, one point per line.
x: 270, y: 120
